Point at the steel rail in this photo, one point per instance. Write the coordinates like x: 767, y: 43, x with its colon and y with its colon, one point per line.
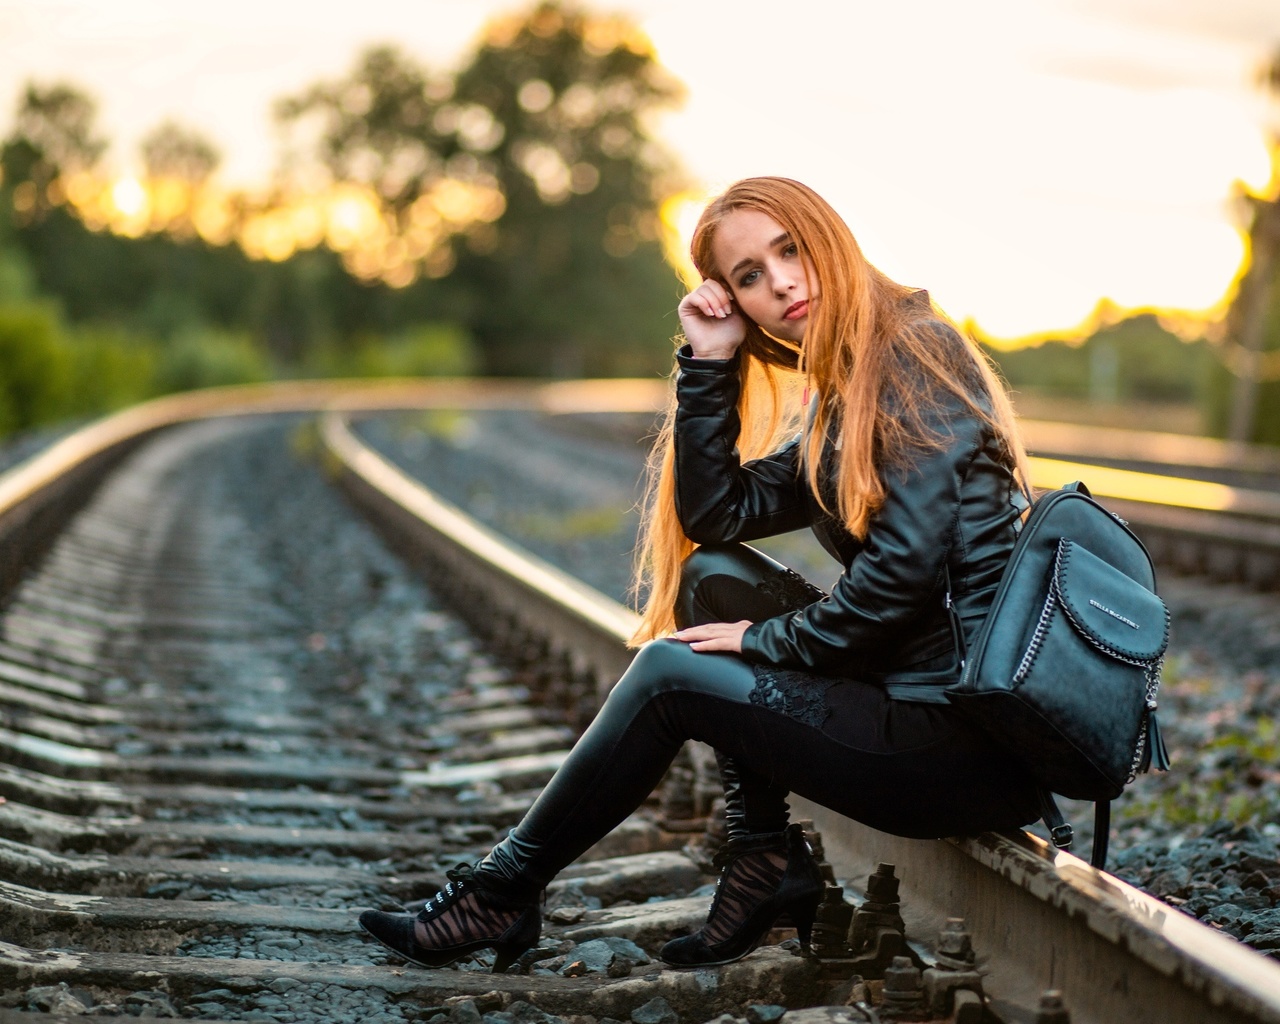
x: 1041, y: 918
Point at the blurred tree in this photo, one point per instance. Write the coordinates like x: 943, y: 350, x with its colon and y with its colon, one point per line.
x: 53, y: 135
x: 17, y: 278
x: 178, y: 163
x: 556, y: 106
x: 171, y: 151
x: 564, y: 274
x: 375, y: 127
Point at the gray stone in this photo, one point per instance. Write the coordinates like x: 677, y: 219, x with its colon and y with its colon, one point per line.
x: 465, y: 1012
x: 55, y: 999
x: 827, y: 1015
x: 648, y: 925
x: 218, y: 993
x: 566, y: 915
x: 656, y: 1011
x: 634, y: 878
x: 150, y: 1004
x: 598, y: 955
x: 623, y: 947
x: 526, y: 1013
x: 765, y: 1014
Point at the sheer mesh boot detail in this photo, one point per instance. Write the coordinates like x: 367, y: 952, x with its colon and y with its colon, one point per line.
x: 744, y: 884
x: 467, y: 915
x: 762, y: 877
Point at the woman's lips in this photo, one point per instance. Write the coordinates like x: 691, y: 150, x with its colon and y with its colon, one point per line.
x: 796, y: 310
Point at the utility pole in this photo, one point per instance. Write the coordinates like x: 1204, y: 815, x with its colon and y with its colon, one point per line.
x: 1247, y: 318
x: 1256, y: 296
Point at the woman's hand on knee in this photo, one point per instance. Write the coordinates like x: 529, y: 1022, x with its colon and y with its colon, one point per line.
x: 714, y: 636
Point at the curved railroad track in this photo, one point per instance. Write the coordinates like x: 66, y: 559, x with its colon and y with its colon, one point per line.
x: 206, y: 775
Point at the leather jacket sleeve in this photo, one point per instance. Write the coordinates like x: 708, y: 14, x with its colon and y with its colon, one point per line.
x: 718, y: 498
x: 891, y: 586
x: 896, y: 578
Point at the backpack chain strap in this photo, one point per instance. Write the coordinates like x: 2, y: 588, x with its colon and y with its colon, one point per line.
x: 1042, y: 624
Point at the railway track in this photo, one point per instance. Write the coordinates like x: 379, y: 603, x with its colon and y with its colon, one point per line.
x: 207, y: 773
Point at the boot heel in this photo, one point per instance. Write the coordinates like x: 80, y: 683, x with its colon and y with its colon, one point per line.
x: 527, y: 930
x: 803, y: 913
x: 506, y: 956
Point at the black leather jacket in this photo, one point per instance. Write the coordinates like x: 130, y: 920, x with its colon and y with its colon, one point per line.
x: 956, y: 507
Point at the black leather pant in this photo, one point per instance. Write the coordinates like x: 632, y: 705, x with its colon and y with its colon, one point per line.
x: 915, y: 770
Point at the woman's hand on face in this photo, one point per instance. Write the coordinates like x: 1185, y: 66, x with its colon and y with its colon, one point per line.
x: 714, y: 636
x: 713, y: 327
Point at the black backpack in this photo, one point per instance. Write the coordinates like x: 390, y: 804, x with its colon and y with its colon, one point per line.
x: 1065, y: 668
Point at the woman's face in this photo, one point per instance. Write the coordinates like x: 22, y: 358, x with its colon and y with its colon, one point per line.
x: 769, y: 279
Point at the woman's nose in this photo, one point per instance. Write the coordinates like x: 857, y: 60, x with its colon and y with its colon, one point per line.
x: 783, y: 281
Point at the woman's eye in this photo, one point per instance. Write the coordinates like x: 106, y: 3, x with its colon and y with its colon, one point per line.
x: 791, y: 249
x: 748, y: 278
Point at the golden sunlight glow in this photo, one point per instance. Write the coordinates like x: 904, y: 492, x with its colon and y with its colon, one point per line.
x: 679, y: 216
x: 129, y: 208
x: 348, y: 218
x: 213, y: 219
x: 352, y: 215
x: 129, y: 197
x: 1129, y: 485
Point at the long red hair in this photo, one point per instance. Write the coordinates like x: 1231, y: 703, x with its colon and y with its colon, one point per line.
x: 878, y: 358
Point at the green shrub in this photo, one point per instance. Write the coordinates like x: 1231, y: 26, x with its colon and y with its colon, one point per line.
x: 210, y: 358
x: 424, y: 350
x: 35, y: 367
x: 110, y: 369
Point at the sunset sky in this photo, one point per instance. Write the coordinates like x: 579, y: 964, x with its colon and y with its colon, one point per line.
x: 1020, y: 158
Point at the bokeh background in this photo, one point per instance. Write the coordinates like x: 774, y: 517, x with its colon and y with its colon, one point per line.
x: 205, y: 194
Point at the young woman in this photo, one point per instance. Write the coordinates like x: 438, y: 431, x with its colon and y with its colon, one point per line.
x: 904, y: 459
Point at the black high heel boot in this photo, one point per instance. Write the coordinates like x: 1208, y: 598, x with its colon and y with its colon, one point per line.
x: 467, y: 915
x: 761, y: 877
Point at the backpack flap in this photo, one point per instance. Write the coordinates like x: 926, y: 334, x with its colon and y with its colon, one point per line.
x: 1116, y: 614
